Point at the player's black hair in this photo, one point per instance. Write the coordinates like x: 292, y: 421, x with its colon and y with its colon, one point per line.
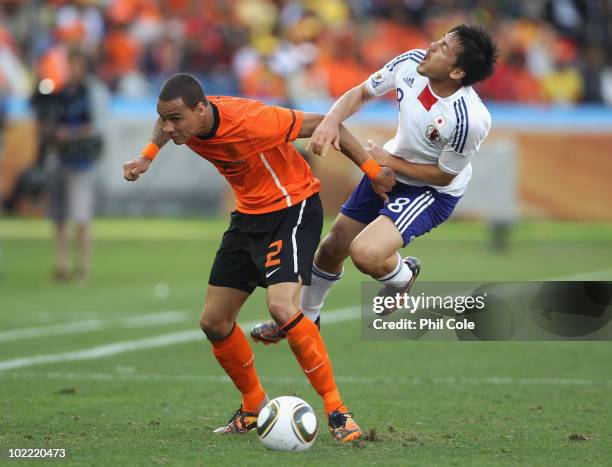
x: 184, y: 86
x: 479, y: 53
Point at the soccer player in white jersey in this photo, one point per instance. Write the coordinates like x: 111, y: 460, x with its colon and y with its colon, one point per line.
x: 442, y: 123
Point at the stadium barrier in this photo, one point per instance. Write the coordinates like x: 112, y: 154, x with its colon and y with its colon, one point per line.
x: 537, y: 163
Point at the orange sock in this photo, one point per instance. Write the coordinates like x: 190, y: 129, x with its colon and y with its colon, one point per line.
x: 309, y: 349
x: 235, y: 355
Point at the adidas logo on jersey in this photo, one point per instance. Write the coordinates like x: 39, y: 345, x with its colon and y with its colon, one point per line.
x: 409, y: 81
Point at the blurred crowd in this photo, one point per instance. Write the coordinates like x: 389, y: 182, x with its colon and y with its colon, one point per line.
x: 291, y: 51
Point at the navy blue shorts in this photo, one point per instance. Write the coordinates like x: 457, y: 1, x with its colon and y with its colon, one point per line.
x: 415, y: 210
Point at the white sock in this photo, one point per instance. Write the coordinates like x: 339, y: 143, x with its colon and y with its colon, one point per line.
x: 399, y: 277
x: 313, y: 295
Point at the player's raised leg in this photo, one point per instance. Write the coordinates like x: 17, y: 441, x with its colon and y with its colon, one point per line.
x: 309, y: 349
x: 233, y: 352
x: 374, y: 252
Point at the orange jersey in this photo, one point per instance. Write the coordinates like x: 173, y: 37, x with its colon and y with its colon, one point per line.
x: 250, y: 145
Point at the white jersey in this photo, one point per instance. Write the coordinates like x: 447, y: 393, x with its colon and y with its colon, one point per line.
x: 446, y: 131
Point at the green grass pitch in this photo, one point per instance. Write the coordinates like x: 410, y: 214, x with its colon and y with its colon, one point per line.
x: 423, y: 403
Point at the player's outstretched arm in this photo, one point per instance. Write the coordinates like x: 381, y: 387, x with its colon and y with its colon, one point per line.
x: 426, y: 173
x: 328, y: 131
x: 383, y: 178
x: 134, y: 168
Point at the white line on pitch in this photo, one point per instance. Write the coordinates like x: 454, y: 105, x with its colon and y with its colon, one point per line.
x: 173, y: 316
x: 147, y: 343
x: 446, y: 380
x: 604, y: 275
x: 138, y: 321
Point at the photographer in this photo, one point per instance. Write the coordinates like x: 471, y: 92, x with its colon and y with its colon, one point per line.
x: 78, y: 145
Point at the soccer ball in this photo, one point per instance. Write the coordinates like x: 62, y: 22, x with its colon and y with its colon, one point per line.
x: 287, y: 423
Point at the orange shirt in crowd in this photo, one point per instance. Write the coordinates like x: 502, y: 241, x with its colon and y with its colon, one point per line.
x: 122, y: 51
x: 262, y: 82
x: 53, y: 65
x: 343, y: 74
x: 250, y: 145
x: 392, y: 39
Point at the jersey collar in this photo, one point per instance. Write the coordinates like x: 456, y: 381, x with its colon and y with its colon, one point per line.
x: 215, y: 127
x: 452, y: 96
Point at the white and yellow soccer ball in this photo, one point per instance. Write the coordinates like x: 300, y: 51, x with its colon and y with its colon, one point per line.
x: 287, y: 423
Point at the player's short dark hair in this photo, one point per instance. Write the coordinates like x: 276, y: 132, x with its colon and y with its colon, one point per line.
x: 479, y: 53
x: 184, y: 86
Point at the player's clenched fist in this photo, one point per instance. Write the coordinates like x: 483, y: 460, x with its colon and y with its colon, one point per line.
x: 132, y: 169
x: 385, y: 179
x: 383, y: 183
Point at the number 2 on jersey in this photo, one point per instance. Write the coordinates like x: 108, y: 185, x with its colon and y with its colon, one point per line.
x: 275, y: 249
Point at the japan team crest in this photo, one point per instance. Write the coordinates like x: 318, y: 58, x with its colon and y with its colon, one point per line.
x: 432, y: 134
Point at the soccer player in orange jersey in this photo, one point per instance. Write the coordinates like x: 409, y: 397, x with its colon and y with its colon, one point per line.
x: 272, y: 236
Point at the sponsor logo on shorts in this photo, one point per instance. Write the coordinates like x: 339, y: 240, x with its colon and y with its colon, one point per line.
x: 269, y: 273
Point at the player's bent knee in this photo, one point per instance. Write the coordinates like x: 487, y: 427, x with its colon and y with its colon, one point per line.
x: 214, y: 328
x: 364, y: 258
x: 281, y: 311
